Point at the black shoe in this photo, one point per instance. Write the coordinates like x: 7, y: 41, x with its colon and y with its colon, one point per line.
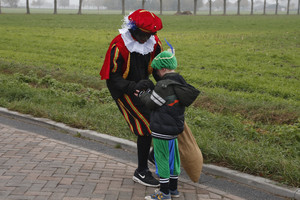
x: 151, y: 157
x: 145, y: 178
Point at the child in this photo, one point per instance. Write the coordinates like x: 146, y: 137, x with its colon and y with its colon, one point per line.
x: 167, y: 103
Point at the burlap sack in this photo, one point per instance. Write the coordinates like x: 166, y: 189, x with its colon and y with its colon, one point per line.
x: 190, y: 154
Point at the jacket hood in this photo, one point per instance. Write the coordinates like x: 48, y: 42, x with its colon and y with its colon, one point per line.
x: 185, y: 92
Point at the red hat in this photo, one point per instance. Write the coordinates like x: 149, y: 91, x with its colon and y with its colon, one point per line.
x: 146, y: 21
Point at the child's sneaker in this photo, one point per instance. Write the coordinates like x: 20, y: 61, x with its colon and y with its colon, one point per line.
x: 174, y: 193
x: 158, y: 195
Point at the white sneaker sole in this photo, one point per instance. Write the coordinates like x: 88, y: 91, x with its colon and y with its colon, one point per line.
x: 155, y: 191
x: 143, y: 183
x: 175, y: 196
x: 149, y: 198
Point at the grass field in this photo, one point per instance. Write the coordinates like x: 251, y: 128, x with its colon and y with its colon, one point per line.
x: 247, y: 67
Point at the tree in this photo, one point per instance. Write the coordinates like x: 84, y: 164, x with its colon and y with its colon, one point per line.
x: 238, y: 6
x: 298, y: 12
x: 96, y: 3
x: 27, y: 7
x: 55, y: 7
x: 178, y: 6
x: 288, y: 7
x: 143, y: 4
x: 244, y: 4
x: 37, y: 3
x: 195, y: 7
x: 224, y: 10
x: 160, y: 6
x: 251, y: 12
x: 218, y: 4
x: 276, y: 7
x: 265, y: 3
x: 210, y: 2
x: 11, y: 3
x: 0, y: 6
x: 123, y: 7
x: 79, y: 9
x: 66, y: 3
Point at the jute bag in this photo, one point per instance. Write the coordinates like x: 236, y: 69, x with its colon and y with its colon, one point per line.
x: 190, y: 154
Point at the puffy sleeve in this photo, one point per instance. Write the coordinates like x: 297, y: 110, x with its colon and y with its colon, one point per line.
x: 116, y: 79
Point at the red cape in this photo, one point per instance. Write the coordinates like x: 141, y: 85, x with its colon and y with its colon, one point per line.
x: 118, y: 41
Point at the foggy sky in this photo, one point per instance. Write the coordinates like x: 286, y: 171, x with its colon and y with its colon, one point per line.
x: 76, y: 2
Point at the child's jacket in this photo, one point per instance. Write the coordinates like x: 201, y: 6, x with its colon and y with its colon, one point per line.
x: 167, y: 103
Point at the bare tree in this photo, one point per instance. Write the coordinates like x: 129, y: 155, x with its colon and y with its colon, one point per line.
x: 143, y: 4
x: 265, y: 3
x: 224, y: 9
x: 210, y: 2
x: 288, y: 7
x: 11, y: 3
x: 298, y: 12
x: 123, y: 7
x: 0, y: 6
x: 79, y: 9
x: 178, y: 6
x: 66, y: 3
x: 160, y: 7
x: 238, y: 6
x: 27, y: 7
x: 55, y: 7
x: 195, y: 7
x: 276, y: 7
x: 196, y: 4
x: 251, y: 12
x: 37, y: 3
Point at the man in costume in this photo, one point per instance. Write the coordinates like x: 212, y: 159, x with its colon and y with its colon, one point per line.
x: 126, y: 68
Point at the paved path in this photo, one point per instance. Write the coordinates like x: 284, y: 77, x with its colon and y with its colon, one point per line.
x: 36, y: 167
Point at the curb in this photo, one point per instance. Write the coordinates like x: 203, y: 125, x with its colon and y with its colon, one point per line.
x: 254, y: 181
x: 250, y: 180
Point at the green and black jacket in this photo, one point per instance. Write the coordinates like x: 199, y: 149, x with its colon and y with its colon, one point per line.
x: 167, y: 103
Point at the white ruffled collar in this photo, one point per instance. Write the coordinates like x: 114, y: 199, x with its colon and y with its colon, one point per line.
x: 134, y: 46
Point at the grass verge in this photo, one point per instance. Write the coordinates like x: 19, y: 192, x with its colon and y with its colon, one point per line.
x: 247, y: 67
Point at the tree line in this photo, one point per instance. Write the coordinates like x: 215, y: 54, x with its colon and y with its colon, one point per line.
x: 196, y: 4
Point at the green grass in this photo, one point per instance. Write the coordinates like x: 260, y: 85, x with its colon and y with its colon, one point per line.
x: 247, y: 67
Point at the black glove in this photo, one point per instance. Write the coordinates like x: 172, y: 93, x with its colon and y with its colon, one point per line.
x: 144, y: 85
x: 151, y: 85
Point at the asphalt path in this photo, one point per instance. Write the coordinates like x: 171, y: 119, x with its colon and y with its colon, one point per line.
x: 223, y: 184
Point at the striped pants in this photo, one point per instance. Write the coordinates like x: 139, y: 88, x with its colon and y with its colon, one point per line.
x: 135, y: 113
x: 137, y: 117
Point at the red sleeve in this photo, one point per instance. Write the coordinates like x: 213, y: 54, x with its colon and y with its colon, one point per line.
x: 104, y: 73
x: 105, y: 70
